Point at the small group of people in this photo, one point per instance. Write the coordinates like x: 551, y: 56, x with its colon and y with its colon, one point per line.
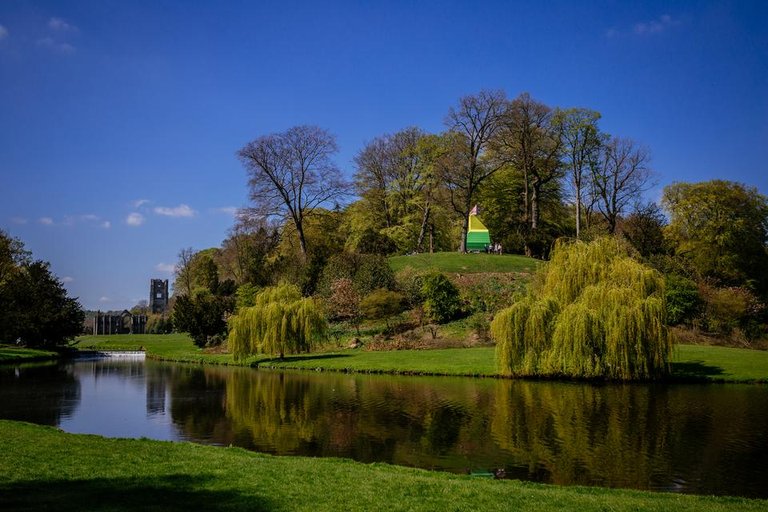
x: 494, y: 248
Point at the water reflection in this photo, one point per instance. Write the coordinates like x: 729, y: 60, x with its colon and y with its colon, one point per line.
x: 691, y: 438
x: 39, y: 393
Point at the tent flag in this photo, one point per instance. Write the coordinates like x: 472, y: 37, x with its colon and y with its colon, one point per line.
x: 477, y: 234
x: 473, y: 211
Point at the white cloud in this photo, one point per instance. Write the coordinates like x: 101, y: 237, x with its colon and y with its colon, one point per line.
x: 177, y: 211
x: 89, y: 217
x: 18, y: 220
x: 56, y: 46
x: 106, y: 224
x: 67, y: 279
x: 3, y: 32
x: 45, y: 221
x: 168, y: 268
x: 140, y: 202
x: 60, y: 25
x: 104, y: 299
x: 135, y: 219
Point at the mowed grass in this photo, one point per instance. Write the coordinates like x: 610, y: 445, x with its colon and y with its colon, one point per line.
x: 14, y: 354
x: 690, y: 362
x: 96, y: 473
x: 458, y: 263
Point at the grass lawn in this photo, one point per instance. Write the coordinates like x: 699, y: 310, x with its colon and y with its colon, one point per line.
x: 96, y: 473
x: 457, y: 263
x: 690, y: 362
x: 14, y: 354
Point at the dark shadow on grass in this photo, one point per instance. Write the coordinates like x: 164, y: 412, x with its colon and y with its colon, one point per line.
x: 695, y: 370
x: 309, y: 357
x: 167, y: 493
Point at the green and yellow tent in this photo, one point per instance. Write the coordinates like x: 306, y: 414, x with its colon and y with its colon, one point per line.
x: 477, y: 235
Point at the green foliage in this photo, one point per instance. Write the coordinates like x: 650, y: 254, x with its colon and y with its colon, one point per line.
x: 683, y: 300
x: 644, y: 229
x: 441, y: 297
x: 202, y: 315
x: 34, y: 306
x: 246, y: 295
x: 489, y: 292
x: 280, y: 321
x: 593, y: 311
x: 373, y: 242
x: 158, y: 324
x: 729, y: 309
x: 381, y: 304
x: 409, y: 282
x: 720, y: 228
x: 368, y: 272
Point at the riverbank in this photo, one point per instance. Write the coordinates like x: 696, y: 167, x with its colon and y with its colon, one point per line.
x: 128, y: 474
x: 690, y: 362
x: 14, y: 354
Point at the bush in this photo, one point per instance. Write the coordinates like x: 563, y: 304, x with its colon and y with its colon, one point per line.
x: 344, y: 302
x: 372, y: 242
x: 683, y: 299
x: 409, y: 282
x: 488, y: 293
x: 441, y: 298
x: 728, y: 309
x: 381, y: 304
x: 158, y: 324
x: 368, y: 272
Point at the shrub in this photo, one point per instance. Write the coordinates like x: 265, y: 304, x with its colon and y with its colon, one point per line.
x: 728, y: 309
x: 373, y: 242
x: 409, y: 282
x: 441, y: 298
x: 381, y: 304
x: 683, y: 300
x: 368, y: 272
x: 344, y: 302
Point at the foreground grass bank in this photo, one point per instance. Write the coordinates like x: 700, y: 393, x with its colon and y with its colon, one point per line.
x: 96, y: 473
x: 690, y: 362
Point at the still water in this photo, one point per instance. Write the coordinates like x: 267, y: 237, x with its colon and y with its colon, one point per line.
x: 704, y: 439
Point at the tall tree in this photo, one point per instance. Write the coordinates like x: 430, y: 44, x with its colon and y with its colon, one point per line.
x: 184, y: 282
x: 581, y: 143
x: 291, y: 174
x: 619, y: 177
x: 720, y: 228
x: 473, y: 123
x: 531, y: 143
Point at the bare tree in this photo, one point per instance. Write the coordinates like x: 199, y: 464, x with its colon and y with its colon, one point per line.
x: 184, y: 281
x: 532, y: 143
x: 620, y: 175
x: 291, y: 174
x: 581, y: 140
x: 474, y: 123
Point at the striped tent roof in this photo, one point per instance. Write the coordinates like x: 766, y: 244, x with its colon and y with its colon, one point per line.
x: 477, y: 235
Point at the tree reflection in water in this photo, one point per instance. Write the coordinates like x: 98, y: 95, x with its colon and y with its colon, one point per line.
x: 39, y: 393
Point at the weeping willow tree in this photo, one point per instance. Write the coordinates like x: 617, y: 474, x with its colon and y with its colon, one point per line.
x: 592, y: 311
x: 281, y: 321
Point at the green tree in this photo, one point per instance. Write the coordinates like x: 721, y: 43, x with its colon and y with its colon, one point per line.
x: 202, y: 315
x: 281, y: 321
x: 382, y: 304
x: 593, y: 311
x: 720, y: 228
x: 441, y: 298
x: 472, y: 126
x: 34, y: 306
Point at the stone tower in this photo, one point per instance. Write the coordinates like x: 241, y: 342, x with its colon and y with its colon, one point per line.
x: 158, y: 295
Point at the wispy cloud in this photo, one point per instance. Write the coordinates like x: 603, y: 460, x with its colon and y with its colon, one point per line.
x: 67, y: 279
x: 45, y: 221
x: 227, y: 210
x: 177, y: 211
x: 60, y: 25
x: 106, y: 224
x: 135, y: 219
x: 3, y: 32
x: 168, y: 268
x: 645, y: 28
x: 660, y: 24
x: 56, y: 46
x: 138, y: 203
x: 104, y: 299
x: 19, y: 220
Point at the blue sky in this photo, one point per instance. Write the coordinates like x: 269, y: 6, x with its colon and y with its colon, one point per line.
x: 119, y: 121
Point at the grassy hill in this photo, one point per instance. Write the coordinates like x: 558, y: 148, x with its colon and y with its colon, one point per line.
x: 457, y: 263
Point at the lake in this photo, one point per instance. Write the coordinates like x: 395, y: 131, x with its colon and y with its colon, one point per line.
x: 692, y: 438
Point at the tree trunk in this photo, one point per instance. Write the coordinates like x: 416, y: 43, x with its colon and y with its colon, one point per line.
x: 535, y: 208
x: 578, y: 210
x: 423, y: 230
